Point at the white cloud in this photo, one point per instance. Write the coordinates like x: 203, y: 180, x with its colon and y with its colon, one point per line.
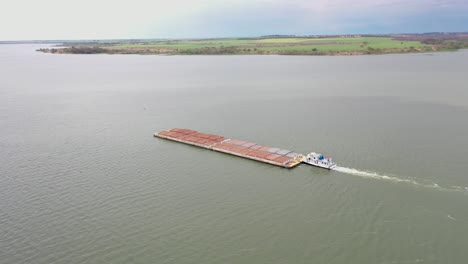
x: 20, y: 19
x: 65, y: 19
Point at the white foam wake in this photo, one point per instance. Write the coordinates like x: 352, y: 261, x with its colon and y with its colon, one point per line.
x: 374, y: 175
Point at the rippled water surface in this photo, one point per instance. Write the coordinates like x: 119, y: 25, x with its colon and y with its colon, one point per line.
x: 82, y: 180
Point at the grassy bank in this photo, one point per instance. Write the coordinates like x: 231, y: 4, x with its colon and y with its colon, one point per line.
x: 274, y: 45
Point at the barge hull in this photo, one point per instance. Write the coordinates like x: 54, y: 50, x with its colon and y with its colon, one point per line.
x: 249, y: 150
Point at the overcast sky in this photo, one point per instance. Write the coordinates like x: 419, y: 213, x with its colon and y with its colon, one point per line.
x: 104, y: 19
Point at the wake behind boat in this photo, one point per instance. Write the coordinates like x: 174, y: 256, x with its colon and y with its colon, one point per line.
x: 317, y: 159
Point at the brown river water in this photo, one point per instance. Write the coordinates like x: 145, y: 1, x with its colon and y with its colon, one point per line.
x: 82, y: 179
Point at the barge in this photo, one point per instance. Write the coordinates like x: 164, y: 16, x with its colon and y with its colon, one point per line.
x: 249, y: 150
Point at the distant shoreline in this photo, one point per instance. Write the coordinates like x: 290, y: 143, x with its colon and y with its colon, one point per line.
x: 275, y: 45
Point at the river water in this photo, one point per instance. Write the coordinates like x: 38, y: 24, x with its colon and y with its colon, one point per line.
x: 82, y: 179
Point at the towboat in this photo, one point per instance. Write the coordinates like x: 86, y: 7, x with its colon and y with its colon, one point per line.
x: 317, y: 159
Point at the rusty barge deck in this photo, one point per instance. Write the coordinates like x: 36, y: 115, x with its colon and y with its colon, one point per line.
x: 248, y: 150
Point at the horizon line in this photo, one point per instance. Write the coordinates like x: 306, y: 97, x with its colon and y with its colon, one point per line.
x: 233, y: 37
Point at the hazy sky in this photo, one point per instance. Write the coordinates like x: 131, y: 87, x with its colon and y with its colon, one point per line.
x: 93, y: 19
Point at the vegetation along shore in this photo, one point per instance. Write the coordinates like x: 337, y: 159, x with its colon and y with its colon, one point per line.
x: 277, y: 44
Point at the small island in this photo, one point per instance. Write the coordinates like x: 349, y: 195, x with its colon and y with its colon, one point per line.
x: 274, y: 45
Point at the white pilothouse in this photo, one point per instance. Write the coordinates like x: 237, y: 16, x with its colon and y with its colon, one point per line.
x: 317, y: 159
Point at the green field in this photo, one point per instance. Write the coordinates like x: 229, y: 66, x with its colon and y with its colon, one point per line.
x: 346, y: 45
x: 274, y: 45
x: 186, y: 44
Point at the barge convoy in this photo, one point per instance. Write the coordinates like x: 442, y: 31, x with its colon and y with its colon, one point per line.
x: 275, y: 156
